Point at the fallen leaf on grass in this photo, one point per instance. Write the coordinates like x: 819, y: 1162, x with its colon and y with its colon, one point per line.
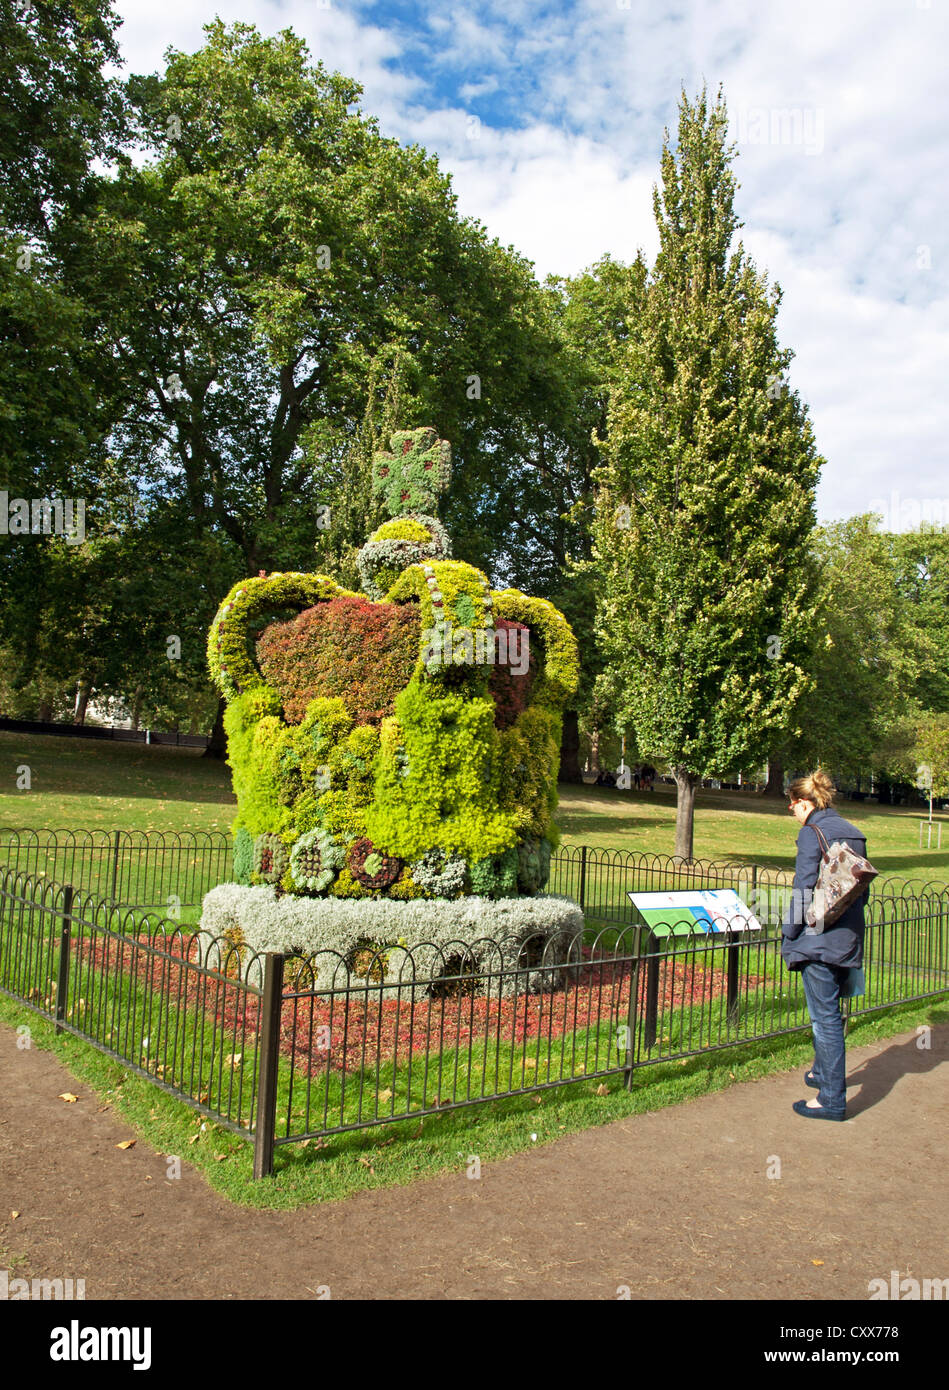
x: 530, y: 1062
x: 194, y: 1138
x: 220, y: 1158
x: 385, y: 1095
x: 126, y: 1144
x: 235, y: 1059
x: 361, y: 1158
x: 602, y: 1090
x: 68, y: 1097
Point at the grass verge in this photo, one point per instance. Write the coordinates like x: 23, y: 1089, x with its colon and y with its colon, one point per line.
x: 404, y: 1152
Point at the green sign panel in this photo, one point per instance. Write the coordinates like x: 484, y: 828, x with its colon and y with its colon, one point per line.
x: 696, y: 910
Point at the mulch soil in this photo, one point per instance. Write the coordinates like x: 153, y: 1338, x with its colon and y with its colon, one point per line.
x: 323, y: 1031
x: 675, y: 1204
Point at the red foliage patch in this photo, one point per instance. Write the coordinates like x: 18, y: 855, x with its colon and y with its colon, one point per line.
x: 349, y: 647
x: 319, y: 1032
x: 511, y: 692
x: 385, y: 875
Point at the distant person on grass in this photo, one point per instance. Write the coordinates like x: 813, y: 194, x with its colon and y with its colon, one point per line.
x: 824, y: 958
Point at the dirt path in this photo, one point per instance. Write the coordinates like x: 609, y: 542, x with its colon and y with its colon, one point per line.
x: 676, y: 1204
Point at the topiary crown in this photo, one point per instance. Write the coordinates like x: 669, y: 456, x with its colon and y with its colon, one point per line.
x: 404, y: 742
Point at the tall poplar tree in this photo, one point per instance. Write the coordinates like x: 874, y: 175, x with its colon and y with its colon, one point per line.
x: 706, y: 498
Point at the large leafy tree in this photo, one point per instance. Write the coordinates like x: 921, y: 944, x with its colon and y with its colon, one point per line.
x: 707, y: 493
x: 271, y: 246
x: 880, y: 655
x: 59, y: 113
x: 590, y: 322
x: 861, y: 661
x: 921, y: 558
x: 247, y: 290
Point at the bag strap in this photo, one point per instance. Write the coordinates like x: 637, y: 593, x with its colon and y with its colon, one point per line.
x: 824, y: 845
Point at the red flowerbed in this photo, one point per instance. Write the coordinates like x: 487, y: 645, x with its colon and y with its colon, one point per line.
x: 319, y: 1032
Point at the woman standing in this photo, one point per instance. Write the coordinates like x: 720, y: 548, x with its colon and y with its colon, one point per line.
x: 824, y: 957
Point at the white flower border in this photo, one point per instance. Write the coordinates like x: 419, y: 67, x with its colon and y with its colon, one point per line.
x: 433, y: 930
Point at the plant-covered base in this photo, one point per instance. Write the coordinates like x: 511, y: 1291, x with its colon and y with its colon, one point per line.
x: 372, y: 939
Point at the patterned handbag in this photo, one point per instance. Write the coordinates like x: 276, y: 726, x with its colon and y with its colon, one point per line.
x: 844, y: 877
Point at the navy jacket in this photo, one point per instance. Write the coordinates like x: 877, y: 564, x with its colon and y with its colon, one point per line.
x: 842, y: 942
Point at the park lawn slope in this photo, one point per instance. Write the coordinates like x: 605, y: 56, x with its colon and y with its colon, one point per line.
x: 79, y: 784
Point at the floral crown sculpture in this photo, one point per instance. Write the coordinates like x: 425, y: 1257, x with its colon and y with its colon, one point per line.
x: 404, y: 742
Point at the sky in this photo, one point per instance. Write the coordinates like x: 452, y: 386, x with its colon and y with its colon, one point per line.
x: 550, y: 119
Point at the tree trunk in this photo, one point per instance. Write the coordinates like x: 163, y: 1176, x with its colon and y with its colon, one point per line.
x: 686, y: 783
x: 595, y: 750
x: 137, y: 708
x: 570, y: 748
x: 775, y: 783
x: 45, y: 710
x: 217, y: 748
x: 82, y: 700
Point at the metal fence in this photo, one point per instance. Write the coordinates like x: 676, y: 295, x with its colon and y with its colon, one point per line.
x: 365, y: 1049
x: 284, y: 1048
x: 99, y: 731
x: 146, y: 869
x: 600, y: 879
x: 173, y: 1006
x: 161, y: 869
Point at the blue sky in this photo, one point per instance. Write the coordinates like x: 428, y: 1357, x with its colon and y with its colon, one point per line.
x: 550, y: 119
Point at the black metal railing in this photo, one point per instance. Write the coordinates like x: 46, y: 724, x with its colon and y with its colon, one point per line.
x: 165, y: 869
x: 162, y: 870
x: 98, y: 731
x: 600, y: 879
x: 173, y: 1006
x: 384, y: 1046
x: 286, y: 1048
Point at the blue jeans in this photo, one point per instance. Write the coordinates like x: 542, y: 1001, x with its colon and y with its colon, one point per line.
x: 822, y: 984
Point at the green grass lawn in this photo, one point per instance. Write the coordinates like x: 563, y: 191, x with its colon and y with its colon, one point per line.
x: 83, y: 784
x: 742, y: 826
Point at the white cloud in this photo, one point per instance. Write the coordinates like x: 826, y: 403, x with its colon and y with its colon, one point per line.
x: 583, y: 94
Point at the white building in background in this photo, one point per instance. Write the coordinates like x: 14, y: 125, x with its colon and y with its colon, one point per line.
x: 108, y: 711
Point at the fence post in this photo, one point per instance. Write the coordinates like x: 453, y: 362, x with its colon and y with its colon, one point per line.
x: 115, y: 862
x: 62, y: 979
x: 633, y: 1008
x: 732, y: 948
x: 583, y: 876
x: 652, y: 989
x: 271, y: 1006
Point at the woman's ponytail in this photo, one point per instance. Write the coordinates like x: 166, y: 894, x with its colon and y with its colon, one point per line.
x: 816, y: 787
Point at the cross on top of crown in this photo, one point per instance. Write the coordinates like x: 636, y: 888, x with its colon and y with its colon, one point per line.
x: 411, y: 478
